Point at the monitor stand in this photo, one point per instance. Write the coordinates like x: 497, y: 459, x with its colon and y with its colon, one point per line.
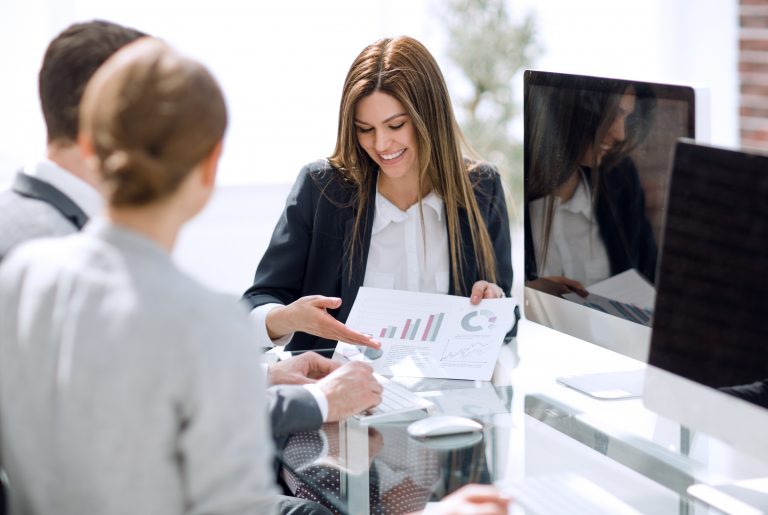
x: 742, y: 497
x: 620, y: 384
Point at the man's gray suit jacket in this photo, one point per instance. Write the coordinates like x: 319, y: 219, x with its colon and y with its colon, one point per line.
x: 292, y: 409
x: 34, y: 209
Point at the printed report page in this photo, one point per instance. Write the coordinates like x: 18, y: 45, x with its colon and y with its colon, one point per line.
x: 429, y: 335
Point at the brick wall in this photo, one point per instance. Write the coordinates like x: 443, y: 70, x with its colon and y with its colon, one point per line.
x: 753, y: 73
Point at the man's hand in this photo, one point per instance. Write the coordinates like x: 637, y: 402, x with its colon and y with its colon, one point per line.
x: 485, y: 290
x: 474, y: 499
x: 302, y: 369
x: 308, y: 314
x: 350, y: 389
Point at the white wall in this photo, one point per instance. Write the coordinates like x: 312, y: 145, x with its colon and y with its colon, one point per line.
x: 282, y: 64
x: 681, y: 41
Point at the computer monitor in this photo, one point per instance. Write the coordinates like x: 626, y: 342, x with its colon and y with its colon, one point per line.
x: 597, y: 153
x: 709, y: 349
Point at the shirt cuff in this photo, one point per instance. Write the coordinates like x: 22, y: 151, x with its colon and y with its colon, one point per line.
x: 322, y: 402
x: 259, y: 316
x: 265, y: 370
x: 431, y: 508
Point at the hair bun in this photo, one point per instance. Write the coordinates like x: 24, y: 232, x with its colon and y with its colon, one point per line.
x: 122, y: 161
x: 153, y: 116
x: 117, y: 163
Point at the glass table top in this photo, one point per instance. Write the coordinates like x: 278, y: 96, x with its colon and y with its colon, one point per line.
x: 349, y: 465
x: 532, y: 426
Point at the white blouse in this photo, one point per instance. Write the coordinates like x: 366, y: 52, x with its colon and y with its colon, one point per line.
x: 404, y: 255
x: 576, y: 249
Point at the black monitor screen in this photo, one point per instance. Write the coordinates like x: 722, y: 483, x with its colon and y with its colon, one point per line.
x: 711, y: 322
x: 597, y: 159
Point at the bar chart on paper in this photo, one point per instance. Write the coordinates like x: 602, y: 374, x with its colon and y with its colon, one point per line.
x: 429, y: 335
x: 413, y: 329
x: 401, y: 322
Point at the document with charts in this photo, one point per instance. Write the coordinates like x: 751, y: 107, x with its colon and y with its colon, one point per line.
x: 428, y: 334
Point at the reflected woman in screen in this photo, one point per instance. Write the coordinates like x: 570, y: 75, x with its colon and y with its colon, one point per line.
x: 586, y: 206
x: 396, y: 205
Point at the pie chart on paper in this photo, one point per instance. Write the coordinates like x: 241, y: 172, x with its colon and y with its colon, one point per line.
x: 479, y: 320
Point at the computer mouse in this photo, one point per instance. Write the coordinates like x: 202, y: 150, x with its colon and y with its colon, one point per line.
x: 443, y: 425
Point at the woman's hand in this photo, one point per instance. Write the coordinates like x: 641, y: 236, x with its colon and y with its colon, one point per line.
x: 309, y: 314
x: 485, y: 290
x: 558, y: 285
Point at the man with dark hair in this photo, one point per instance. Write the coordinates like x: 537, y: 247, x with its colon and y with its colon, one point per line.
x: 57, y: 195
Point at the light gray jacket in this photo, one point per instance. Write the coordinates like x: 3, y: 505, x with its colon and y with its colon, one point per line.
x: 125, y: 386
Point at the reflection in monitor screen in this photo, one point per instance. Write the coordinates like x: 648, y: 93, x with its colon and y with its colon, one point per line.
x: 597, y: 158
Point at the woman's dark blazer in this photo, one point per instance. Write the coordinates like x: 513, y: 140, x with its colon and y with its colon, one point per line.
x: 308, y: 251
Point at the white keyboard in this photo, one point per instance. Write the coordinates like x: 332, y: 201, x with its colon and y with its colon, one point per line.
x: 564, y: 493
x: 395, y: 400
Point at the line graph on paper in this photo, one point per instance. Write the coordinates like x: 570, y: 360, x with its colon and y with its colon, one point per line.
x: 462, y: 351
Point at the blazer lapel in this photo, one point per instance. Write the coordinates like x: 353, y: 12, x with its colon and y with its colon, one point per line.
x: 35, y: 188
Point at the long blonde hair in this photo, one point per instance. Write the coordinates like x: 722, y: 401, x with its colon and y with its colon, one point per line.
x: 404, y: 69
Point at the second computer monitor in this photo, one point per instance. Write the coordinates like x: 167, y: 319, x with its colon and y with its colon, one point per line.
x: 709, y: 349
x: 597, y: 160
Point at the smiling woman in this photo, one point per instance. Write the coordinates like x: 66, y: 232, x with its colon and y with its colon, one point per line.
x: 385, y: 131
x: 397, y: 205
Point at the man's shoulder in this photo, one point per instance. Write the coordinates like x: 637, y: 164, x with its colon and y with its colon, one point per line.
x: 23, y: 218
x: 15, y: 206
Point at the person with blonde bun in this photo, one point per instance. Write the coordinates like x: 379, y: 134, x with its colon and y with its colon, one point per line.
x: 126, y: 386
